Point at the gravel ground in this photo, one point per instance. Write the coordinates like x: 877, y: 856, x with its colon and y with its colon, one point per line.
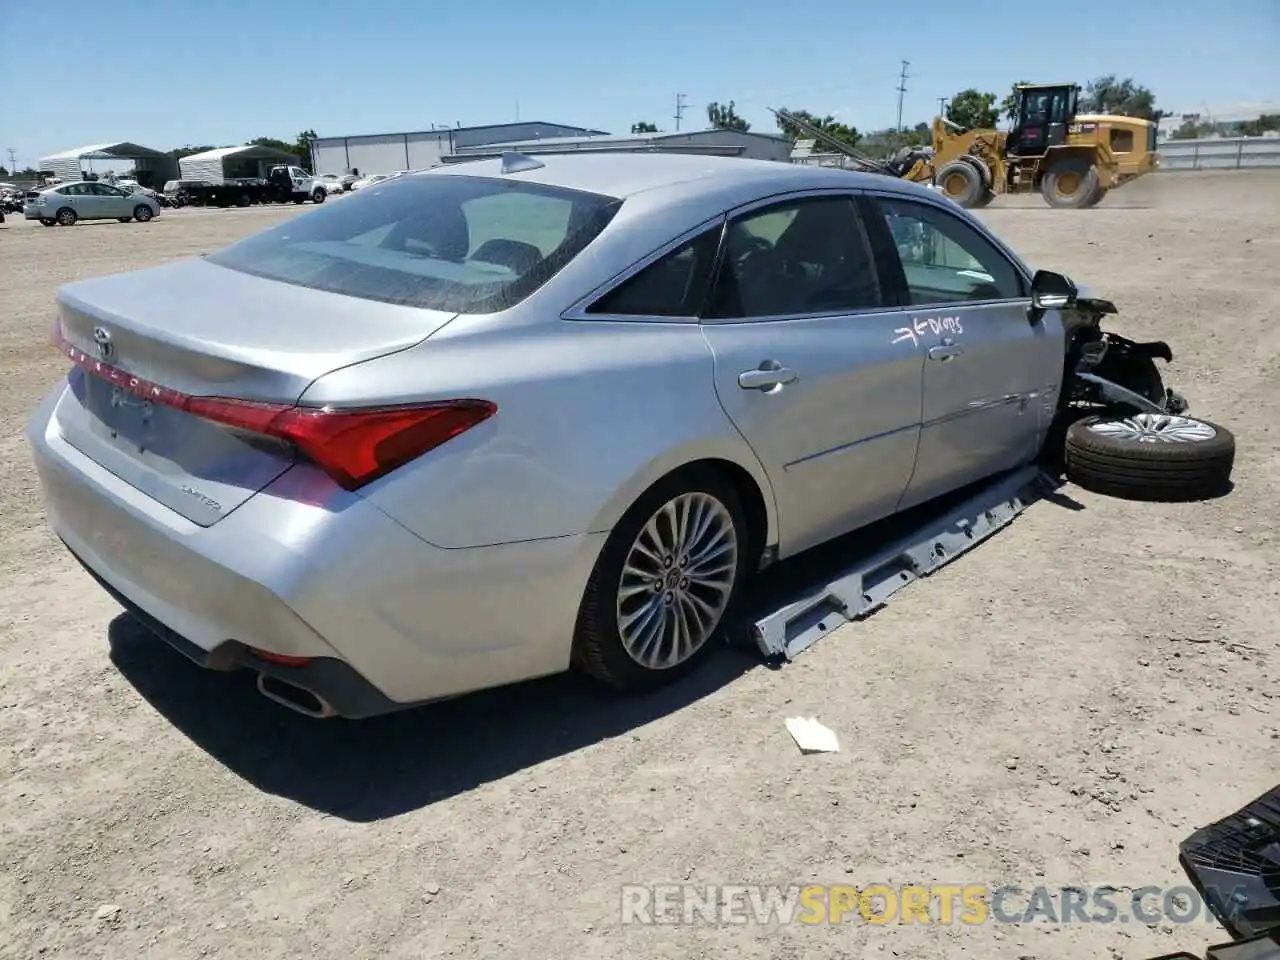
x: 1059, y: 707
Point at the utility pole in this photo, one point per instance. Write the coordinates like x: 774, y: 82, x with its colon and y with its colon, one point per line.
x: 13, y: 160
x: 942, y: 106
x: 680, y: 105
x: 902, y: 88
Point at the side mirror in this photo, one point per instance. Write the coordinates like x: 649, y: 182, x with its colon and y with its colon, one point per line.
x: 1052, y: 291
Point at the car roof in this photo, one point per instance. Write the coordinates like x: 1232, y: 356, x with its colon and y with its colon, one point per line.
x: 623, y: 175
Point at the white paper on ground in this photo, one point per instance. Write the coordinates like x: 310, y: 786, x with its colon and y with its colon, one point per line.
x: 811, y: 736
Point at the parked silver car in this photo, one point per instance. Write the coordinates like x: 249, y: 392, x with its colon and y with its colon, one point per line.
x: 510, y: 415
x: 88, y: 200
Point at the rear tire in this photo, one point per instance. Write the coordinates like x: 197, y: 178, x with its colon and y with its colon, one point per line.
x: 1069, y: 183
x: 653, y: 610
x: 66, y: 217
x: 1152, y: 457
x: 961, y: 182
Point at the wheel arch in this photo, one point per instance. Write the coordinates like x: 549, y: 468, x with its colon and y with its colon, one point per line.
x: 732, y: 463
x: 1055, y: 155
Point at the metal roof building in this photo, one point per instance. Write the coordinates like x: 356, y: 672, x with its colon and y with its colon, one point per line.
x: 229, y: 163
x: 715, y: 142
x: 389, y: 152
x: 154, y: 167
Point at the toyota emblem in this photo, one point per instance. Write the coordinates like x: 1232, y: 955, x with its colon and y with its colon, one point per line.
x: 102, y: 337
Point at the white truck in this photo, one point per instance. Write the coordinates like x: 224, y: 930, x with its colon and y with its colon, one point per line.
x: 298, y: 184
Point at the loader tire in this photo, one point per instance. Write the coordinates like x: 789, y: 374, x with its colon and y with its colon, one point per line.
x: 1096, y: 197
x: 962, y: 183
x: 982, y: 201
x: 1069, y: 183
x: 1151, y: 457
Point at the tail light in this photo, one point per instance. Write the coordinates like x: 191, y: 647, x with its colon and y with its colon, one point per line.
x: 353, y: 446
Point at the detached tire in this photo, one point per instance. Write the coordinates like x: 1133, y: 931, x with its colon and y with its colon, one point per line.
x: 961, y: 182
x: 1151, y: 457
x: 666, y: 584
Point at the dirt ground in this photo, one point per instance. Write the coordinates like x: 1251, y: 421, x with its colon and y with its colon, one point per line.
x: 1060, y: 707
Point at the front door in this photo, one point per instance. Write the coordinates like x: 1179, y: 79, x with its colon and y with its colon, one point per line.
x: 111, y: 201
x: 807, y: 367
x: 991, y: 371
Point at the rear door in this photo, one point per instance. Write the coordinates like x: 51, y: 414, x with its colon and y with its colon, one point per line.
x: 991, y: 372
x: 80, y: 198
x: 806, y: 366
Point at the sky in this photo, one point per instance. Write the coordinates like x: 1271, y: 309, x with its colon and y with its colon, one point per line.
x: 166, y: 74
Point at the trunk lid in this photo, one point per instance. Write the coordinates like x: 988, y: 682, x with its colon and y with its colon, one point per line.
x: 207, y: 331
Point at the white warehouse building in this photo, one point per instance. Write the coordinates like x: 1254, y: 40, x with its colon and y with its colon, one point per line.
x: 713, y: 143
x: 389, y: 152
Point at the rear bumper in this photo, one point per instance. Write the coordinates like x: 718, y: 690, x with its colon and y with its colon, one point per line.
x: 389, y: 619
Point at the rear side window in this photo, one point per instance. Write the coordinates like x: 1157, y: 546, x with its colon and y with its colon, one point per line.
x: 675, y: 285
x: 454, y: 243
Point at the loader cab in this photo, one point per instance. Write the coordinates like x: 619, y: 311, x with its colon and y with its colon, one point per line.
x: 1045, y: 112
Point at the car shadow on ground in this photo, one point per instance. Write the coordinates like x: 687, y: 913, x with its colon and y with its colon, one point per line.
x: 381, y: 767
x: 384, y: 766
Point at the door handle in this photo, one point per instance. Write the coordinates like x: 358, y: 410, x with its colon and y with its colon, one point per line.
x: 770, y: 374
x: 945, y: 351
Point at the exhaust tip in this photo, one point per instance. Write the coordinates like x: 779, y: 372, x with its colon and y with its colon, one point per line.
x: 296, y: 698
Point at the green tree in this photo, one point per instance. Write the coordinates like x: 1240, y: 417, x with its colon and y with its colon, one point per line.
x: 722, y: 116
x: 827, y: 125
x: 302, y: 147
x: 973, y: 110
x: 179, y: 152
x: 644, y: 126
x: 1264, y: 123
x: 3, y: 172
x: 273, y: 143
x: 1107, y: 94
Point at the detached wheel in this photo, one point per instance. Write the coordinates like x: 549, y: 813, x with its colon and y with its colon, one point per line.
x: 66, y: 217
x: 48, y: 222
x: 124, y: 219
x: 961, y: 182
x: 667, y: 582
x: 1070, y: 183
x: 142, y: 213
x: 1147, y: 456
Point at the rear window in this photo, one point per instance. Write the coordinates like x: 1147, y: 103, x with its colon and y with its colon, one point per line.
x: 454, y: 243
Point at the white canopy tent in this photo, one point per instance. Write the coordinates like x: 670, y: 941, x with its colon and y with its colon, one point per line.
x: 155, y: 166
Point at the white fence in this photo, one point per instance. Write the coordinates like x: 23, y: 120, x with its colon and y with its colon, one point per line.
x: 1234, y: 153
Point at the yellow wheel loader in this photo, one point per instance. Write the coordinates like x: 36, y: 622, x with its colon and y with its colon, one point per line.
x: 1071, y: 158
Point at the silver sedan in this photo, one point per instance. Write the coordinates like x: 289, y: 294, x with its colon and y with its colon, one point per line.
x: 67, y: 203
x: 485, y: 422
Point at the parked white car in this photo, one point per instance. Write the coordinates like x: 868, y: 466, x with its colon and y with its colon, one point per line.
x: 66, y: 203
x: 330, y: 182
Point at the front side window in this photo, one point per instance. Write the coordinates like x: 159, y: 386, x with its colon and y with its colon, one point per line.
x: 944, y: 259
x: 674, y: 285
x: 454, y: 243
x: 796, y: 258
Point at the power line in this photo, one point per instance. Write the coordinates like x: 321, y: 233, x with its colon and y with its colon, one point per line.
x: 680, y: 105
x: 902, y: 89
